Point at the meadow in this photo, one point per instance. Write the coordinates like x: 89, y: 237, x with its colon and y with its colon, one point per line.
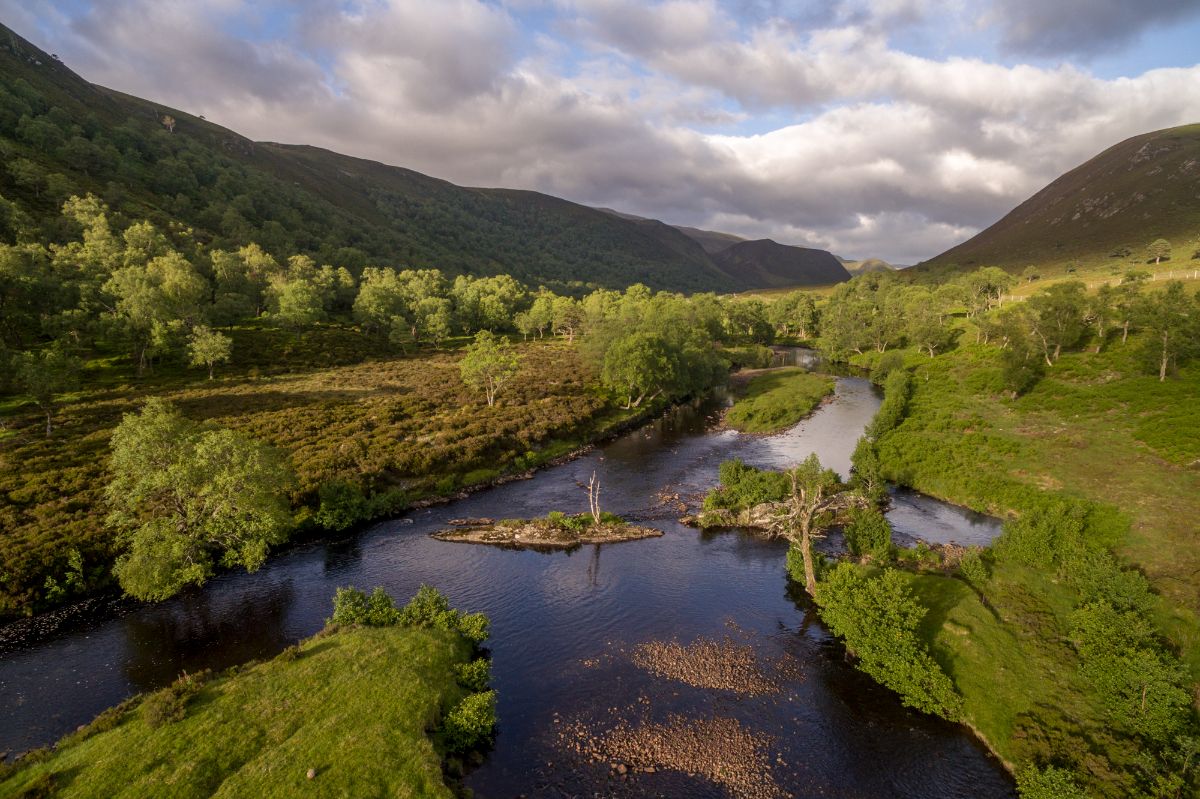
x: 383, y: 427
x: 775, y: 399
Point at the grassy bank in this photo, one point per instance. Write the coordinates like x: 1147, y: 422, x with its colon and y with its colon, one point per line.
x: 390, y: 426
x: 354, y: 706
x: 775, y: 399
x: 1097, y: 428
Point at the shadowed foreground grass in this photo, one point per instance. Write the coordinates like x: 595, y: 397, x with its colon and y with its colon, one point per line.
x: 354, y: 705
x: 777, y: 399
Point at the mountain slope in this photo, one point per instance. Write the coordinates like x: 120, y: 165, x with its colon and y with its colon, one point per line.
x: 147, y: 160
x: 1145, y: 188
x: 768, y: 264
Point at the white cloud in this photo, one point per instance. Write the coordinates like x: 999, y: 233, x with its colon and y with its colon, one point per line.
x: 875, y: 151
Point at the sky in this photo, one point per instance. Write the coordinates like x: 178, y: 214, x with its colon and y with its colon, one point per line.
x: 872, y: 128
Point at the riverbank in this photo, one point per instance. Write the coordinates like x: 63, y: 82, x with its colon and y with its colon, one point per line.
x: 344, y: 713
x: 772, y: 400
x: 1095, y: 428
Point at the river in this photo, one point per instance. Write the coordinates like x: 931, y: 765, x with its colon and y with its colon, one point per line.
x: 566, y: 627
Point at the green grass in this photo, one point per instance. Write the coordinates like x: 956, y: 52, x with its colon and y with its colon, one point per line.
x: 1096, y: 428
x: 354, y: 705
x: 776, y: 399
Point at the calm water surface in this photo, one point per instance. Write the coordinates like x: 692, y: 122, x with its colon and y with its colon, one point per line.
x: 563, y: 625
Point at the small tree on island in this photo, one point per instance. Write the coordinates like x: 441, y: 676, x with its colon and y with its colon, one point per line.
x: 207, y: 347
x: 1159, y: 249
x: 490, y: 363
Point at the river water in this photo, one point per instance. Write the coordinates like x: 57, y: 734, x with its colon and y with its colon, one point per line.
x: 566, y: 626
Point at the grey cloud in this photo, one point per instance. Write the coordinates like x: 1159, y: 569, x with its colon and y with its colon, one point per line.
x: 1066, y: 27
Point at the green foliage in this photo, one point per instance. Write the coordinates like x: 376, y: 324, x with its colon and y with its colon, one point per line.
x: 973, y: 567
x: 1046, y: 535
x: 745, y: 486
x: 44, y: 375
x: 778, y: 399
x: 1048, y: 783
x: 896, y: 392
x: 474, y: 676
x: 878, y: 618
x: 184, y: 497
x: 206, y: 347
x: 470, y: 723
x: 430, y: 609
x: 868, y: 533
x: 342, y: 505
x: 866, y: 474
x: 489, y: 364
x: 352, y: 606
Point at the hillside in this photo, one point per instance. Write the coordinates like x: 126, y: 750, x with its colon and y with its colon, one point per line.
x: 62, y: 136
x: 763, y: 263
x: 768, y: 264
x: 1110, y: 207
x: 869, y: 265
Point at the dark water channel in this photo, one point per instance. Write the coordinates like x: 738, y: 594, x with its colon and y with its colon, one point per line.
x: 564, y: 626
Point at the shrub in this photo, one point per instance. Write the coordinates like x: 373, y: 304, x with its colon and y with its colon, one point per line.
x: 896, y: 392
x: 1048, y: 783
x: 170, y: 703
x: 430, y: 609
x: 868, y: 533
x: 474, y: 676
x: 470, y: 724
x: 341, y: 505
x: 744, y: 486
x: 889, y: 362
x: 972, y: 567
x: 1043, y: 535
x: 352, y: 606
x: 878, y: 618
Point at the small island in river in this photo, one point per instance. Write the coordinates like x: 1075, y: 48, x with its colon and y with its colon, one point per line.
x: 556, y: 530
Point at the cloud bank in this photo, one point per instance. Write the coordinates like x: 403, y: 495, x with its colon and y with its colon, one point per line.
x: 805, y: 122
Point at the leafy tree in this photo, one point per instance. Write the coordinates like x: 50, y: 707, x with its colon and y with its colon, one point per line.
x: 567, y: 317
x: 298, y: 301
x: 45, y: 374
x: 1173, y: 321
x: 879, y: 619
x: 1158, y: 250
x: 185, y: 498
x: 868, y: 533
x: 637, y: 365
x: 154, y: 299
x: 794, y: 312
x: 206, y: 347
x: 866, y: 474
x: 1100, y: 311
x: 541, y: 313
x: 1127, y: 299
x: 1056, y: 317
x: 489, y: 364
x: 434, y: 319
x: 925, y: 321
x: 1031, y: 273
x: 984, y: 288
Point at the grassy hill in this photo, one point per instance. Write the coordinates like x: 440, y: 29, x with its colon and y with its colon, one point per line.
x: 354, y: 706
x: 1105, y: 210
x: 62, y: 135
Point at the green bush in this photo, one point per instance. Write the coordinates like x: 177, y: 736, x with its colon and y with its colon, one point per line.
x: 170, y: 703
x: 878, y: 618
x: 342, y: 505
x: 474, y: 676
x: 1048, y: 783
x: 430, y: 609
x: 973, y: 568
x: 352, y: 606
x: 889, y: 362
x: 470, y: 723
x: 744, y: 486
x: 868, y: 533
x: 896, y: 392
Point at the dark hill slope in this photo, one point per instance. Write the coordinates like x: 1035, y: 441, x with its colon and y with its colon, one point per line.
x: 1142, y: 189
x: 74, y: 137
x: 768, y: 264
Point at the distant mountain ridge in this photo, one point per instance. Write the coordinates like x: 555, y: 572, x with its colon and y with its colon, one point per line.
x: 761, y: 263
x: 1113, y: 205
x: 147, y: 160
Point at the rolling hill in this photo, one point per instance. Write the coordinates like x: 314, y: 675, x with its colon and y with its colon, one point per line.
x: 62, y: 135
x: 762, y: 263
x: 1113, y: 206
